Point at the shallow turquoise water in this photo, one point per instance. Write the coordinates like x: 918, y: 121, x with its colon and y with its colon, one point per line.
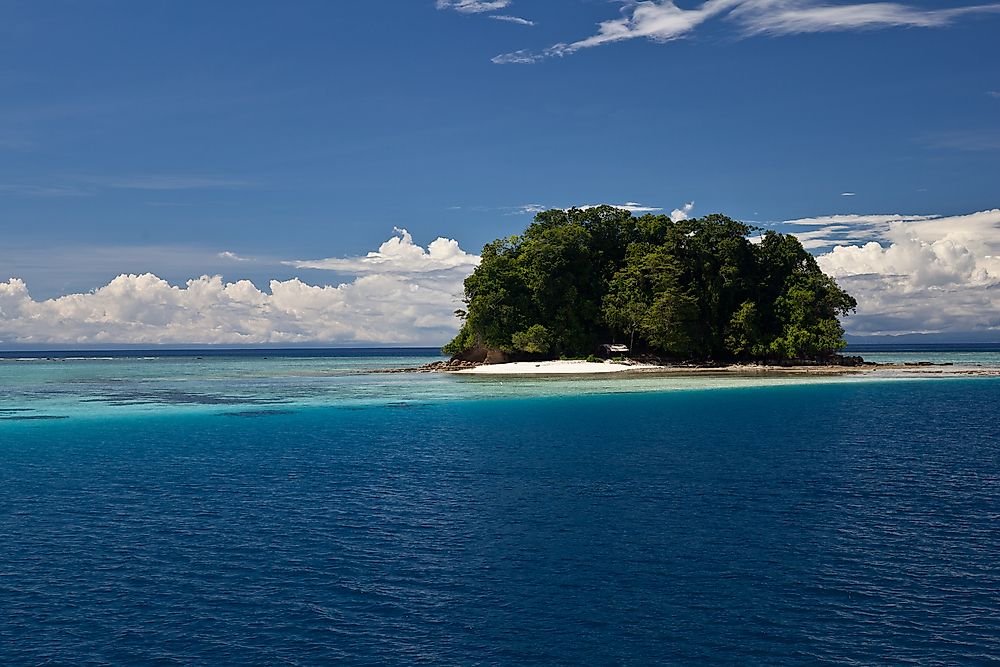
x: 981, y: 355
x: 958, y: 358
x: 96, y: 387
x: 297, y: 511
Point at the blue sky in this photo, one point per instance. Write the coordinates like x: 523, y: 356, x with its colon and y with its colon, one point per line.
x: 153, y: 136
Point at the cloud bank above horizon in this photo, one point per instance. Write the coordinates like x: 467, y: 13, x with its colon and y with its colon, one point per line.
x: 910, y: 274
x: 913, y: 274
x: 402, y: 294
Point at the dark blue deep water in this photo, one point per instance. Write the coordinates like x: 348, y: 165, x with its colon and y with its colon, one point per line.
x: 843, y: 523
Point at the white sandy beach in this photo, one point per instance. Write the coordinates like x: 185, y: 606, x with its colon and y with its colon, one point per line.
x: 567, y: 367
x: 579, y: 367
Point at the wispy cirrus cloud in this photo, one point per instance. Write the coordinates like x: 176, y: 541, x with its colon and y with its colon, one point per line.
x: 965, y: 140
x: 473, y: 6
x: 82, y: 186
x: 15, y: 143
x: 512, y: 19
x: 783, y: 17
x: 486, y: 7
x: 166, y: 182
x: 519, y: 57
x: 664, y: 21
x: 41, y: 191
x: 657, y: 21
x: 527, y: 209
x: 232, y: 256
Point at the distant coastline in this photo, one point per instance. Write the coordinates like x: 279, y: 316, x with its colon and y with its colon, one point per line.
x: 39, y: 352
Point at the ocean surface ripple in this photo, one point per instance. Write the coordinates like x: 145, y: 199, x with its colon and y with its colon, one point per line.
x: 813, y: 524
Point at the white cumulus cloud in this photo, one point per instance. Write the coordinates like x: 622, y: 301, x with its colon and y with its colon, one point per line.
x: 682, y: 213
x: 913, y: 274
x: 400, y: 255
x: 528, y: 209
x: 910, y: 273
x: 401, y: 294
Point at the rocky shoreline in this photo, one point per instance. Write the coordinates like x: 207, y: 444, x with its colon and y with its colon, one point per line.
x: 435, y: 367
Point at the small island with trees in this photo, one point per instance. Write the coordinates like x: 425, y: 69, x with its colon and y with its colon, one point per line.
x: 698, y: 290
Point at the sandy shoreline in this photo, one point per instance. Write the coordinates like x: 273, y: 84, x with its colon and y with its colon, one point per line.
x: 571, y: 367
x: 578, y: 367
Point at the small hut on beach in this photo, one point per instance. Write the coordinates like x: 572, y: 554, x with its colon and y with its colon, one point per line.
x: 609, y: 350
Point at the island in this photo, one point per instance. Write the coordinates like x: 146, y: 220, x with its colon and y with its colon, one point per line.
x: 649, y: 291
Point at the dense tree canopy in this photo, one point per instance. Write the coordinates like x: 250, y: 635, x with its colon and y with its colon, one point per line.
x: 692, y: 289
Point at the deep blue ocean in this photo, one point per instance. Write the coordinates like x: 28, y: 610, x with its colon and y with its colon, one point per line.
x: 269, y: 508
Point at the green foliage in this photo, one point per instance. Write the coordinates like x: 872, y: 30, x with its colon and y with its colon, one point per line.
x: 743, y: 332
x: 691, y: 289
x: 594, y: 359
x: 670, y: 325
x: 627, y: 300
x: 465, y: 340
x: 646, y: 299
x: 535, y: 340
x: 498, y: 298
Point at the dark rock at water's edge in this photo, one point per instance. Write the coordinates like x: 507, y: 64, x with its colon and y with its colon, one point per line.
x: 475, y: 355
x: 450, y: 365
x: 471, y: 358
x: 832, y: 360
x: 435, y: 367
x: 484, y: 355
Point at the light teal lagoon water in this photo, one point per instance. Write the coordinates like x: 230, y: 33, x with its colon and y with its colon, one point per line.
x: 962, y: 358
x: 96, y: 386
